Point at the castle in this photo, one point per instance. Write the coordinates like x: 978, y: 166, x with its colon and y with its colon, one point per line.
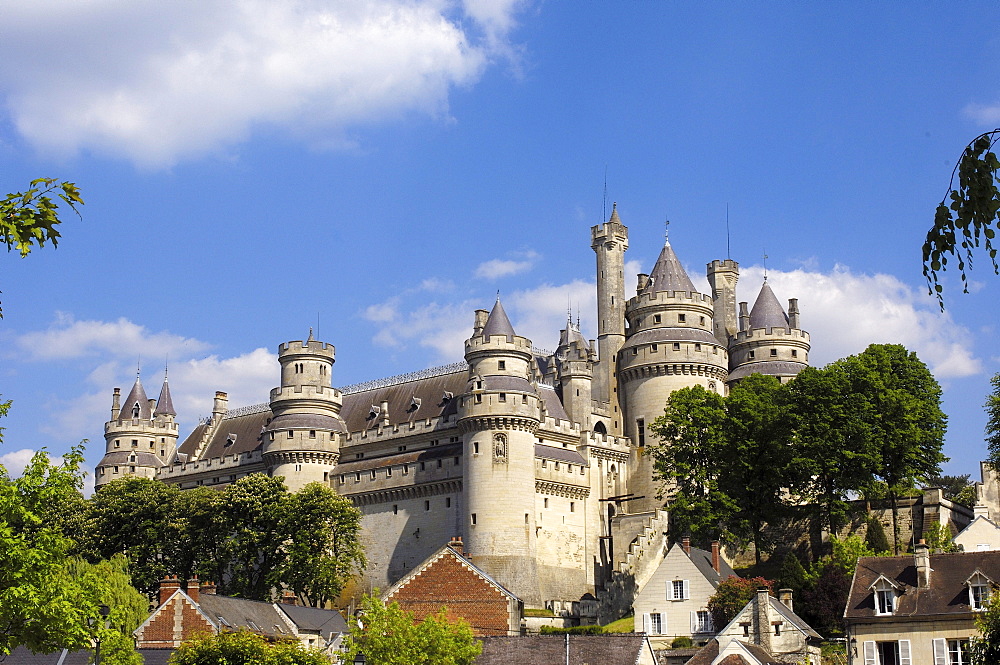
x: 535, y: 459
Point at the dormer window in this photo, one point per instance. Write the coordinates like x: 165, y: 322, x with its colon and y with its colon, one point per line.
x: 135, y: 410
x: 885, y: 596
x: 979, y: 591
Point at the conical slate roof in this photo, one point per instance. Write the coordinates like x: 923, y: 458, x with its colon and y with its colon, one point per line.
x: 767, y: 311
x: 668, y: 274
x: 136, y: 396
x: 498, y: 323
x: 165, y: 405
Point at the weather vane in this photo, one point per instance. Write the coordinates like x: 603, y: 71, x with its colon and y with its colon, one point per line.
x: 765, y: 265
x: 666, y: 229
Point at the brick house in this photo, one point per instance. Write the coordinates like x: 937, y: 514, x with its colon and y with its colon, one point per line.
x: 184, y: 613
x: 448, y: 579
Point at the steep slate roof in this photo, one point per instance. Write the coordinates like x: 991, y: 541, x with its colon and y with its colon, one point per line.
x: 165, y: 405
x: 702, y: 560
x: 124, y: 458
x: 946, y: 595
x: 559, y: 454
x: 229, y: 613
x: 792, y: 618
x: 767, y: 312
x: 615, y: 649
x: 327, y: 623
x: 137, y: 394
x: 498, y: 323
x: 668, y: 274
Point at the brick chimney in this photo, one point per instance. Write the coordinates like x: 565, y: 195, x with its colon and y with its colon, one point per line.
x: 208, y: 588
x: 193, y: 587
x: 456, y: 544
x: 288, y: 597
x: 686, y: 544
x: 168, y: 585
x: 762, y: 616
x: 922, y: 560
x: 785, y: 597
x: 715, y: 556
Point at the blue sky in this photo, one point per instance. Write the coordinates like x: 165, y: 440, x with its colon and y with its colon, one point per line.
x: 383, y: 168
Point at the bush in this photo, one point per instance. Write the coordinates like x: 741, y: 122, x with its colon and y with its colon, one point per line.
x: 575, y: 630
x: 732, y: 594
x: 793, y: 576
x: 682, y: 642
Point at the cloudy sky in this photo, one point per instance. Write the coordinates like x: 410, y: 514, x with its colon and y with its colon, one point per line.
x: 380, y: 169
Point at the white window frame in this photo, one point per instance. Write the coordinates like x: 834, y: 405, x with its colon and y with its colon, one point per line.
x: 655, y: 623
x: 979, y: 591
x: 701, y: 622
x: 684, y: 586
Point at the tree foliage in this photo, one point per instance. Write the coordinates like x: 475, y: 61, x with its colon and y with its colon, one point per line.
x: 244, y: 648
x: 30, y: 218
x: 984, y: 649
x: 875, y: 538
x: 388, y: 635
x: 966, y: 217
x: 732, y: 595
x: 992, y: 407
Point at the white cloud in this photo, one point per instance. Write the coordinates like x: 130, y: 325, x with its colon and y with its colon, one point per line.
x: 497, y: 268
x: 443, y: 328
x: 984, y: 114
x: 540, y: 313
x: 158, y: 82
x: 16, y: 460
x: 846, y: 311
x: 69, y: 338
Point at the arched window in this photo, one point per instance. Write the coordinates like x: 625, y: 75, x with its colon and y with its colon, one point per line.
x: 599, y: 428
x: 135, y: 410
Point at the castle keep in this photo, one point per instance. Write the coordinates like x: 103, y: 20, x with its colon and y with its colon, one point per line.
x: 531, y: 457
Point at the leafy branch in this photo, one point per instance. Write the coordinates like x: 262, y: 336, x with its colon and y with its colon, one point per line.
x: 968, y: 221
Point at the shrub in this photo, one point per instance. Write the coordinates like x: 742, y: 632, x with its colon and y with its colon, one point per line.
x: 574, y: 630
x: 682, y: 642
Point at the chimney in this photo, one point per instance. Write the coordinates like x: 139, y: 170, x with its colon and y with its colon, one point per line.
x: 793, y: 313
x: 643, y: 282
x: 785, y: 597
x: 686, y: 544
x: 456, y: 544
x: 715, y: 556
x: 152, y: 405
x: 116, y: 407
x: 220, y: 406
x: 481, y: 316
x: 744, y: 317
x: 208, y: 588
x: 762, y: 616
x: 193, y: 588
x: 288, y: 597
x: 384, y: 408
x: 979, y: 510
x: 168, y: 585
x: 922, y: 559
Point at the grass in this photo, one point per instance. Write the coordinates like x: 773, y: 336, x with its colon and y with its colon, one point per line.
x: 538, y: 612
x: 623, y: 625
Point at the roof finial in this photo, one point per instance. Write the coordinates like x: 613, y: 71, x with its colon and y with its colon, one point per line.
x: 666, y: 230
x: 138, y: 367
x: 311, y: 339
x: 765, y: 265
x: 166, y: 367
x: 498, y: 295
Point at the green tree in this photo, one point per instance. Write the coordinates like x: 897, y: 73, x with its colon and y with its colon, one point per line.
x: 792, y: 576
x: 984, y: 649
x: 196, y: 536
x: 959, y: 489
x: 389, y: 635
x: 732, y: 595
x: 30, y: 217
x: 875, y: 538
x: 322, y: 551
x: 992, y: 407
x: 254, y: 509
x: 244, y: 648
x: 969, y: 219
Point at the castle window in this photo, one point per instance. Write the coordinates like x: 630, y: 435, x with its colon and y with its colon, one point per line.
x: 677, y: 346
x: 312, y: 434
x: 652, y: 348
x: 702, y: 321
x: 475, y: 447
x: 502, y: 397
x: 640, y: 425
x: 290, y: 434
x: 388, y: 472
x: 635, y: 351
x: 697, y: 347
x: 795, y: 353
x: 401, y: 449
x: 135, y: 443
x: 373, y: 474
x: 479, y: 399
x: 582, y: 472
x: 135, y: 410
x: 117, y: 443
x: 131, y: 469
x: 131, y: 458
x: 406, y: 469
x: 572, y: 506
x: 473, y: 516
x: 750, y: 355
x: 342, y: 479
x: 656, y: 318
x: 774, y: 353
x: 681, y: 318
x: 422, y: 466
x: 545, y: 464
x: 395, y: 509
x: 162, y: 440
x: 440, y: 463
x: 524, y: 399
x: 715, y: 350
x: 161, y: 452
x: 447, y: 502
x: 151, y: 444
x: 116, y: 469
x: 545, y: 503
x: 427, y: 505
x: 357, y: 477
x: 358, y: 455
x: 501, y: 364
x: 556, y: 466
x: 456, y: 461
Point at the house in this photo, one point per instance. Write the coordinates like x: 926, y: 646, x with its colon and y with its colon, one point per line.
x: 918, y: 609
x: 448, y: 579
x: 982, y: 534
x: 615, y: 649
x: 773, y: 626
x: 22, y: 656
x: 184, y: 613
x: 674, y: 602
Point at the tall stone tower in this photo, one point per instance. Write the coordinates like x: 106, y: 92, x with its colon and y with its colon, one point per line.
x: 671, y: 345
x: 498, y: 416
x: 769, y: 341
x: 575, y: 366
x: 722, y: 277
x: 609, y: 241
x: 141, y: 436
x: 302, y: 441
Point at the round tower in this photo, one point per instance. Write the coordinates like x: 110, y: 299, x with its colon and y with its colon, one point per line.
x: 769, y: 340
x: 575, y: 365
x: 302, y: 441
x: 498, y: 415
x: 141, y: 436
x: 609, y: 241
x: 671, y: 345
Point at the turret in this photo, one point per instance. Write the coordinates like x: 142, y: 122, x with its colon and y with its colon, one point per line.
x: 609, y: 241
x: 141, y: 436
x: 302, y: 441
x: 722, y: 277
x: 769, y: 341
x: 498, y: 415
x: 575, y: 367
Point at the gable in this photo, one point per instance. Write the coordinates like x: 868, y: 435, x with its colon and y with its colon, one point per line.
x: 173, y: 622
x: 676, y: 565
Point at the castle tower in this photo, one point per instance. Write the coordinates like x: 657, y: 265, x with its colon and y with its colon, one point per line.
x: 302, y: 441
x: 498, y: 416
x: 769, y: 341
x: 671, y: 345
x: 575, y: 366
x: 722, y: 277
x: 609, y: 241
x: 141, y: 436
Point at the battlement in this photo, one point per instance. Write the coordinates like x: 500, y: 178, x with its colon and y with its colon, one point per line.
x: 723, y: 264
x: 763, y: 334
x: 139, y: 426
x: 499, y: 344
x: 211, y: 463
x: 608, y: 231
x: 666, y: 298
x: 324, y: 393
x: 400, y: 430
x: 309, y: 347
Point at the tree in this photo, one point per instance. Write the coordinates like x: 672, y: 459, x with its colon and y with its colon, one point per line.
x: 984, y: 649
x: 322, y: 551
x: 254, y: 508
x: 792, y: 576
x: 956, y: 488
x: 196, y: 536
x: 824, y: 602
x: 969, y: 219
x: 875, y: 538
x: 244, y: 648
x: 388, y: 635
x: 732, y: 595
x: 30, y: 218
x: 992, y: 407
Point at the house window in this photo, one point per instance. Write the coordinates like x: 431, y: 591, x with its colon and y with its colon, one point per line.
x: 655, y: 623
x: 979, y: 592
x: 888, y: 653
x: 958, y: 652
x: 701, y: 622
x: 680, y: 590
x: 885, y: 601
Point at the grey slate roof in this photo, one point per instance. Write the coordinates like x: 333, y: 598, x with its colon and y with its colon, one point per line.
x: 702, y: 560
x: 559, y: 454
x: 553, y: 406
x: 768, y: 367
x: 668, y: 274
x: 229, y: 613
x: 792, y: 618
x: 124, y: 457
x: 328, y: 623
x: 165, y: 405
x: 614, y: 649
x: 498, y: 323
x: 767, y: 312
x: 405, y: 457
x: 136, y: 395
